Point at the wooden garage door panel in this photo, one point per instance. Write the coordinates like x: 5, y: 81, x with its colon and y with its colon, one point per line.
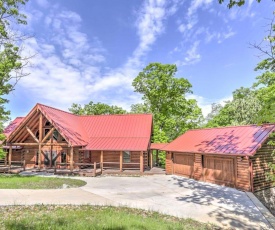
x: 219, y: 170
x: 183, y: 164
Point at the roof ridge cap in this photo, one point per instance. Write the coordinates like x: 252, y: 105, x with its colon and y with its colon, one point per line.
x: 231, y: 126
x: 126, y: 114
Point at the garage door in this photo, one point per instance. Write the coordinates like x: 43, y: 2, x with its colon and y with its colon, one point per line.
x: 183, y: 164
x: 219, y: 171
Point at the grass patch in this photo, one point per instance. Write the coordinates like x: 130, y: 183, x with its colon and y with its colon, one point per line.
x: 8, y: 181
x: 42, y: 217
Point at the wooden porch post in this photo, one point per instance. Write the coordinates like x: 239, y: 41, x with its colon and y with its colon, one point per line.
x: 40, y: 141
x: 51, y: 156
x: 71, y: 158
x: 151, y: 158
x: 157, y: 158
x: 120, y: 161
x: 10, y: 152
x: 141, y: 161
x: 101, y: 158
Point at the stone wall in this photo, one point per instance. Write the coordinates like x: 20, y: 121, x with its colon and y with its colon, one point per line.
x: 267, y: 197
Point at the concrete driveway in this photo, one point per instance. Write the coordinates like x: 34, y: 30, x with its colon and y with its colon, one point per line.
x: 171, y: 195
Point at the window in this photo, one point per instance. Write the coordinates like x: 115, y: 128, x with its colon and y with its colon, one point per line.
x: 47, y: 123
x: 63, y: 157
x: 55, y: 134
x: 37, y: 134
x: 86, y: 155
x: 126, y: 157
x: 46, y: 132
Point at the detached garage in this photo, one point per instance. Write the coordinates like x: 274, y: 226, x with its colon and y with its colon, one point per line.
x: 232, y: 156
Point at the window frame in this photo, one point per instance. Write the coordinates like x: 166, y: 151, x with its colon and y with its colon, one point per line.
x: 128, y: 158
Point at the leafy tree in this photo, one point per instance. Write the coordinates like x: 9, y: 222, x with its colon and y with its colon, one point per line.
x: 244, y: 109
x: 165, y: 96
x: 140, y: 108
x: 11, y: 62
x: 220, y: 115
x: 96, y: 109
x: 232, y: 3
x: 265, y: 84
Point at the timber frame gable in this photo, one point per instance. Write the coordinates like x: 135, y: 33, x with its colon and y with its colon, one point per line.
x: 31, y: 133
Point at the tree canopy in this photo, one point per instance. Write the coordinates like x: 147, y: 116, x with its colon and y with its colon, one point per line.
x: 165, y: 96
x: 11, y: 62
x: 96, y: 109
x: 232, y: 3
x: 255, y: 104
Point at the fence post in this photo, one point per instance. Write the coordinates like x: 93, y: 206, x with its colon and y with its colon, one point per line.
x: 94, y: 168
x: 24, y: 165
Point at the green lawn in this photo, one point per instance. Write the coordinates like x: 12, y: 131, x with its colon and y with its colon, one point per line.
x: 8, y: 181
x: 42, y: 217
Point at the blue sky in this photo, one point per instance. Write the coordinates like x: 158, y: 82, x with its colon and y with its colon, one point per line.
x: 92, y: 50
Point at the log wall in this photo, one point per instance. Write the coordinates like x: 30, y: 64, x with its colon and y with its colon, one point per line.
x: 243, y: 174
x: 260, y: 169
x: 169, y: 163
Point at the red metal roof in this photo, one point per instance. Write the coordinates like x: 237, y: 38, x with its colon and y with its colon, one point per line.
x: 12, y: 126
x: 102, y: 132
x: 158, y: 146
x: 235, y: 140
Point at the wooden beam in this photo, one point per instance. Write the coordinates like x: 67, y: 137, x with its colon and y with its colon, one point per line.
x: 71, y: 158
x: 10, y: 152
x: 120, y: 161
x: 42, y: 144
x: 48, y: 135
x: 31, y: 133
x: 151, y: 158
x: 21, y: 128
x: 141, y: 161
x: 40, y: 140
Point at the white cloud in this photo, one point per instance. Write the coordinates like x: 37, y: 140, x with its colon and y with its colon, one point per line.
x: 219, y: 36
x: 68, y: 66
x: 191, y: 56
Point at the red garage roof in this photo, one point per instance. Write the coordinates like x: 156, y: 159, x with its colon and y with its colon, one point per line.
x: 158, y: 146
x: 100, y: 132
x: 237, y: 140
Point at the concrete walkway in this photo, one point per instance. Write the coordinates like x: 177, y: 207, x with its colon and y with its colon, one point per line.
x: 171, y: 195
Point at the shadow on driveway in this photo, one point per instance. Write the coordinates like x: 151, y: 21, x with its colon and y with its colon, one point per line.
x: 229, y: 201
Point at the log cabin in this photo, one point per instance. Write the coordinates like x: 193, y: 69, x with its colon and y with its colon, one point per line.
x: 48, y: 136
x: 232, y: 156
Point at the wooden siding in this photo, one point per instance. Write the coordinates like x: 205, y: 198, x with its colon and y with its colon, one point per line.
x: 198, y: 167
x: 243, y: 174
x: 260, y: 167
x: 169, y: 163
x: 95, y: 156
x: 183, y: 164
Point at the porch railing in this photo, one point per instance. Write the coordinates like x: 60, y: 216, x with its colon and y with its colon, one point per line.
x: 94, y: 166
x: 13, y: 164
